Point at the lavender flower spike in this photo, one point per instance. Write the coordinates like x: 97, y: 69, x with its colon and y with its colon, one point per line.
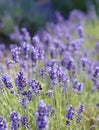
x: 42, y: 120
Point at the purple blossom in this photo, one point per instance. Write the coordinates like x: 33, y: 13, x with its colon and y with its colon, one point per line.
x: 84, y: 62
x: 25, y: 50
x: 26, y: 34
x: 21, y: 81
x: 15, y: 52
x: 35, y: 86
x: 7, y: 81
x: 43, y: 72
x: 62, y: 76
x: 14, y: 117
x: 79, y: 117
x: 52, y: 70
x: 3, y: 124
x: 80, y: 111
x: 34, y: 55
x: 24, y: 102
x: 70, y: 113
x: 81, y: 108
x: 52, y: 52
x: 77, y: 87
x: 24, y: 121
x: 42, y: 120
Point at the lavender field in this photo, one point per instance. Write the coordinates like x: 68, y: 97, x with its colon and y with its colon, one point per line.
x: 50, y: 81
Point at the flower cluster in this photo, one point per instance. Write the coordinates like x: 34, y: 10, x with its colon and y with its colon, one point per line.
x: 3, y: 124
x: 35, y: 86
x: 21, y: 81
x: 7, y: 81
x: 42, y: 120
x: 14, y: 117
x: 70, y: 114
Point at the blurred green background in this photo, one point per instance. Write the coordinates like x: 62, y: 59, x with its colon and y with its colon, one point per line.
x: 33, y: 14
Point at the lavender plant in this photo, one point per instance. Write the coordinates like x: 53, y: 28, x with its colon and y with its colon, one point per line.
x: 57, y: 69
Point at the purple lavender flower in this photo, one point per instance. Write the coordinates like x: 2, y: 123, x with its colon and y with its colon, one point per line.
x: 49, y: 93
x: 15, y: 52
x: 42, y: 72
x: 61, y: 74
x: 96, y: 72
x: 78, y: 118
x: 34, y: 55
x: 25, y: 49
x: 84, y: 62
x: 24, y: 121
x: 52, y: 52
x: 81, y: 31
x: 35, y: 86
x: 14, y: 117
x: 42, y: 120
x: 52, y: 70
x: 70, y: 113
x: 80, y: 111
x: 81, y: 108
x: 35, y: 40
x: 24, y: 102
x: 7, y: 81
x: 40, y: 53
x: 21, y: 81
x: 29, y: 95
x: 3, y: 124
x: 77, y: 87
x: 26, y: 34
x: 70, y: 63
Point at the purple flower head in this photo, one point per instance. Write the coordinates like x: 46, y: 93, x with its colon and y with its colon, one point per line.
x: 42, y: 120
x: 26, y: 34
x: 7, y: 81
x: 49, y: 93
x: 25, y: 49
x: 29, y: 95
x: 52, y: 52
x: 24, y: 121
x: 15, y: 52
x: 41, y: 52
x: 77, y: 87
x: 96, y: 72
x: 24, y: 102
x: 81, y: 108
x: 43, y: 72
x: 78, y: 118
x: 84, y: 62
x: 70, y: 63
x: 52, y: 70
x: 21, y: 81
x: 3, y: 124
x: 70, y: 113
x: 81, y: 31
x: 35, y: 86
x: 62, y: 76
x: 15, y: 125
x: 35, y: 41
x: 34, y: 55
x: 14, y: 116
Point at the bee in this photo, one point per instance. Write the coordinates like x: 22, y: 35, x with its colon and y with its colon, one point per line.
x: 40, y: 87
